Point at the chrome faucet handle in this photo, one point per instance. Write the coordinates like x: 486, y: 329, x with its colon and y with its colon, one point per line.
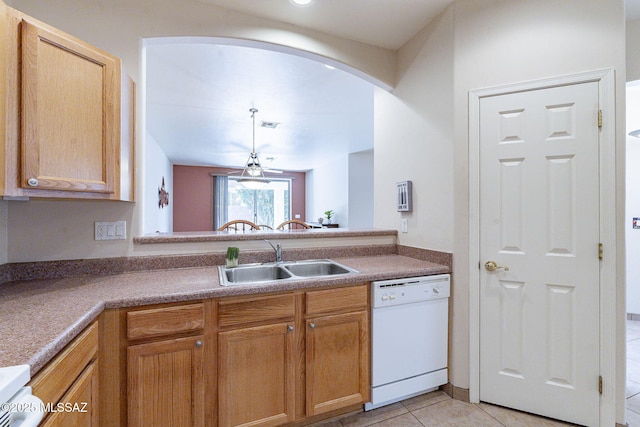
x: 277, y: 248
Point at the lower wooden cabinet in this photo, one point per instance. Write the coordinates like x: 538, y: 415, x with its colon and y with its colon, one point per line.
x: 309, y: 349
x: 256, y: 376
x: 68, y: 385
x: 337, y: 348
x: 337, y: 356
x: 165, y: 369
x: 166, y: 383
x: 290, y: 358
x: 79, y: 407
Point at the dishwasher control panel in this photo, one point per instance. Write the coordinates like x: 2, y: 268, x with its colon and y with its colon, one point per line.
x: 404, y: 291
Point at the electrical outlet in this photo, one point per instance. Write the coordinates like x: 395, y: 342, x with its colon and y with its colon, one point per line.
x: 404, y: 225
x: 111, y: 230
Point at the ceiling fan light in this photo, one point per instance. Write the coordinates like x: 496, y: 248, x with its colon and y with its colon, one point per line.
x: 301, y: 2
x: 253, y: 183
x: 253, y: 168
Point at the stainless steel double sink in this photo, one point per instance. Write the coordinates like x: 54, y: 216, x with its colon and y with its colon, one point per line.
x: 258, y: 273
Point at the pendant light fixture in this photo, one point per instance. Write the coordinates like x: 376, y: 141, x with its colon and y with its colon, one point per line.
x: 253, y: 175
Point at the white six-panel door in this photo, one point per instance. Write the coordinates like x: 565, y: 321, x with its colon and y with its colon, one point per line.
x: 539, y: 218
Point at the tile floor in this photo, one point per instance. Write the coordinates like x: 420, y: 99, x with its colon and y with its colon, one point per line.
x: 633, y: 373
x: 438, y: 409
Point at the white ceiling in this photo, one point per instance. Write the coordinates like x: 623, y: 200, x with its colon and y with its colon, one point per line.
x: 199, y: 95
x: 384, y: 23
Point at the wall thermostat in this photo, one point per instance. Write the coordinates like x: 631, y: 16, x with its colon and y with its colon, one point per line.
x: 404, y: 190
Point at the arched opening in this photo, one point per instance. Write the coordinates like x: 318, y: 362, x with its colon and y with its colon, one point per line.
x: 197, y: 93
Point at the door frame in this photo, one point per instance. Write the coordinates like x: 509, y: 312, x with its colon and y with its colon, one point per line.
x: 607, y: 182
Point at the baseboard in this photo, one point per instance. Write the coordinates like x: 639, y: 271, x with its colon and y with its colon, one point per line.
x: 456, y: 393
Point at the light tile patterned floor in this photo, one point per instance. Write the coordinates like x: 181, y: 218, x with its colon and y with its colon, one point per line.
x: 438, y: 409
x: 633, y: 373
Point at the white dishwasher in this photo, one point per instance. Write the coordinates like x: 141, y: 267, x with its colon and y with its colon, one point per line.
x: 409, y: 337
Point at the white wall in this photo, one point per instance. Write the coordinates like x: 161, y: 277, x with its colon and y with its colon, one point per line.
x: 633, y: 199
x: 119, y: 28
x: 633, y: 50
x: 499, y: 42
x: 46, y: 230
x: 361, y: 194
x: 413, y: 137
x: 328, y: 185
x: 421, y: 129
x: 156, y: 166
x: 633, y: 159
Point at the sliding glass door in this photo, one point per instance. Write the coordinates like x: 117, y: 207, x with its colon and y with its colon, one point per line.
x: 268, y: 206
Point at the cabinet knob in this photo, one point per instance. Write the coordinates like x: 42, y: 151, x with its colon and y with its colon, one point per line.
x: 33, y: 182
x: 312, y: 325
x: 290, y: 328
x: 198, y: 343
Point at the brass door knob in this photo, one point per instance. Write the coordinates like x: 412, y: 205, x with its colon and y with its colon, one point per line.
x: 493, y: 266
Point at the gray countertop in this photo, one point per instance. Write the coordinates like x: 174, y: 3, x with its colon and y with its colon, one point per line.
x: 38, y: 318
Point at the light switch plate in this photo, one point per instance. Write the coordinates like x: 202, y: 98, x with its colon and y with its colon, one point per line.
x: 404, y: 225
x: 111, y: 230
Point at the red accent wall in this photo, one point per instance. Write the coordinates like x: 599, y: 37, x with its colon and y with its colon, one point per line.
x: 193, y: 196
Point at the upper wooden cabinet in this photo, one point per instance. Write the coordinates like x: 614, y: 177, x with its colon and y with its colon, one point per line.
x: 68, y: 116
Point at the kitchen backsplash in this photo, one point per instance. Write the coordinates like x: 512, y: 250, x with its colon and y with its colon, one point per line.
x: 105, y: 266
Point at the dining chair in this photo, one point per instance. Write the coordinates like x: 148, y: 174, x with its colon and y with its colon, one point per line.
x: 292, y: 224
x: 239, y: 225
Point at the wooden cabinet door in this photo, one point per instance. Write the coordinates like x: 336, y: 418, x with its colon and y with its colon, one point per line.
x: 337, y: 360
x: 166, y: 383
x: 79, y: 406
x: 70, y: 120
x: 256, y: 376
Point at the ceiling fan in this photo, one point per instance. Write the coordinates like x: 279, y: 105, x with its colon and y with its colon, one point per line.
x: 253, y: 173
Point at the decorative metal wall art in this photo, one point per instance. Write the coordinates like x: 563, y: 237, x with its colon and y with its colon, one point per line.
x: 163, y: 196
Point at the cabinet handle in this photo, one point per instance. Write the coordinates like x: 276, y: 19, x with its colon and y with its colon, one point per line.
x: 290, y: 328
x: 33, y: 182
x: 312, y: 325
x: 198, y: 343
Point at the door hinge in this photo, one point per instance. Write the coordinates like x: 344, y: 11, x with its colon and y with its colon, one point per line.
x: 600, y: 384
x: 599, y: 118
x: 600, y: 251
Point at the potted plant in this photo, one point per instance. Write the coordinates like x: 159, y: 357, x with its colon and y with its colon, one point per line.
x: 329, y: 215
x: 232, y: 256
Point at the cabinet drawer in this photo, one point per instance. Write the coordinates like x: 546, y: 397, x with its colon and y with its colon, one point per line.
x: 165, y: 321
x: 56, y: 378
x: 240, y: 311
x: 352, y: 298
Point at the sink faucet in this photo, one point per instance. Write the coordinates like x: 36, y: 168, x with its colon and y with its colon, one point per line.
x: 276, y: 248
